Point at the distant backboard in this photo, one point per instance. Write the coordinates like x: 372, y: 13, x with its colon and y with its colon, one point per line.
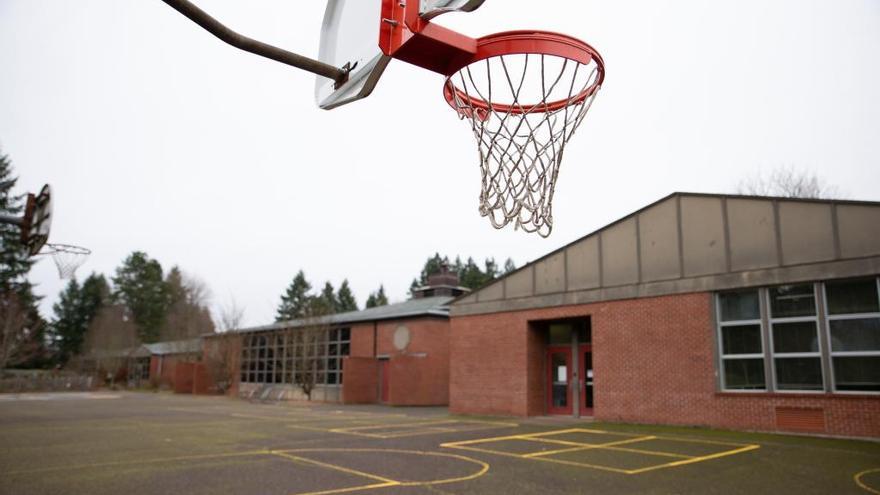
x: 350, y: 37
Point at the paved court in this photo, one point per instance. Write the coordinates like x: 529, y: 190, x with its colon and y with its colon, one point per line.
x: 143, y: 443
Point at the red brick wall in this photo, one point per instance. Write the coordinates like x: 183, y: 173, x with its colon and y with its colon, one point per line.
x: 184, y: 375
x: 419, y: 374
x: 362, y: 340
x: 653, y: 363
x: 360, y: 382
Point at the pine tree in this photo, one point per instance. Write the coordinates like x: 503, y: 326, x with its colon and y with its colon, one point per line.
x: 295, y: 300
x: 67, y: 328
x: 14, y: 261
x: 326, y: 302
x: 141, y: 288
x: 377, y: 298
x: 345, y: 299
x: 22, y: 342
x: 188, y: 314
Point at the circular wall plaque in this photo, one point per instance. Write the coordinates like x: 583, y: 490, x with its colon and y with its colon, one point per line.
x: 401, y: 337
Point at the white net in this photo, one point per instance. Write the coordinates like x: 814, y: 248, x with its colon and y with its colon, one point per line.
x: 523, y: 109
x: 68, y: 258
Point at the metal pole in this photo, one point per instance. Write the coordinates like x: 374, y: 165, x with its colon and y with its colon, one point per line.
x: 13, y: 220
x: 214, y: 27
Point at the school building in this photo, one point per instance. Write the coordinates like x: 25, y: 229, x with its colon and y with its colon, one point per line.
x: 725, y: 311
x: 396, y: 354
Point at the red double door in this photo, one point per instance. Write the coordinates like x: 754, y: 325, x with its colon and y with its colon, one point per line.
x: 561, y: 380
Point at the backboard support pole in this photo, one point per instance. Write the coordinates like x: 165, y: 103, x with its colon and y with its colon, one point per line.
x: 11, y: 220
x: 213, y: 26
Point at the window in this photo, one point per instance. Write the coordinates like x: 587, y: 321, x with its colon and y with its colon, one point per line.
x: 742, y: 354
x: 273, y: 358
x: 797, y: 360
x: 854, y: 332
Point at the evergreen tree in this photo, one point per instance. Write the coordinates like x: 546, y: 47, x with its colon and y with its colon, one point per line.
x: 14, y: 261
x: 68, y: 329
x: 140, y: 287
x: 326, y: 302
x: 377, y: 298
x: 22, y: 342
x: 188, y: 314
x: 345, y: 299
x: 295, y: 300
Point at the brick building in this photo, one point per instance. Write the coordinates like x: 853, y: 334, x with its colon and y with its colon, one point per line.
x: 396, y: 354
x: 726, y: 311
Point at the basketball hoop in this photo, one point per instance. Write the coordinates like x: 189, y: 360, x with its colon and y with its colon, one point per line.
x: 67, y: 258
x: 524, y: 94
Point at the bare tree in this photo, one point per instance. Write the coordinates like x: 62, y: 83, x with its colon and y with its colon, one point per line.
x: 788, y: 182
x: 110, y: 335
x: 14, y: 319
x: 309, y: 343
x: 222, y: 350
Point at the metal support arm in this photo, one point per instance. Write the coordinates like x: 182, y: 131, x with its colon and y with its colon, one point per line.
x: 214, y: 27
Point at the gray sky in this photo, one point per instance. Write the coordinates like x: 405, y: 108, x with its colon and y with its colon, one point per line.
x: 158, y: 137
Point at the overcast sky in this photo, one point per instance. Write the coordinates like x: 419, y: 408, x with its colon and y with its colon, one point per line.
x: 158, y: 137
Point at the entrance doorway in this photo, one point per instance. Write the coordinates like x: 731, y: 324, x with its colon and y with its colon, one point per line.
x: 569, y: 364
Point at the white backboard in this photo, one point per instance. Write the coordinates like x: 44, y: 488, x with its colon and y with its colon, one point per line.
x: 350, y: 35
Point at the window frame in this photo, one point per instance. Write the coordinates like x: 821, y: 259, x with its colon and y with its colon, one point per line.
x: 773, y: 355
x: 847, y: 316
x: 720, y: 325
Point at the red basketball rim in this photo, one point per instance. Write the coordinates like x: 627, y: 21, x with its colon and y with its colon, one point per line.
x: 524, y: 42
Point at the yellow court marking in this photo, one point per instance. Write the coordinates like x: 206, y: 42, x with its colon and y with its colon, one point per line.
x: 858, y: 479
x: 384, y: 482
x: 610, y: 446
x: 139, y: 461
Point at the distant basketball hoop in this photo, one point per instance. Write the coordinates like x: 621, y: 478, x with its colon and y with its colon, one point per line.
x: 67, y: 258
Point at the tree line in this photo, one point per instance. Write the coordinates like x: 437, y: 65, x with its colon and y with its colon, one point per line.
x: 139, y: 305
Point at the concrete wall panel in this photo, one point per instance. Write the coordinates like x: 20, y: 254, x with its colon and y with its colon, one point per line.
x: 807, y: 232
x: 519, y: 284
x: 492, y: 292
x: 550, y: 274
x: 752, y: 234
x: 658, y: 242
x: 620, y: 260
x: 703, y: 243
x: 859, y: 228
x: 583, y: 264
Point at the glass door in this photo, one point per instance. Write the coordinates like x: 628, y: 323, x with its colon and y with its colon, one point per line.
x: 586, y: 382
x: 558, y: 380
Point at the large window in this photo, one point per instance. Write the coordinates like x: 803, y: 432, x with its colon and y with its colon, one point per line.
x: 779, y: 329
x: 854, y: 333
x: 742, y: 351
x: 797, y: 360
x: 287, y: 356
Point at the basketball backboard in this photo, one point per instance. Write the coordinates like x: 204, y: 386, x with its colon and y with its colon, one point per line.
x: 350, y: 39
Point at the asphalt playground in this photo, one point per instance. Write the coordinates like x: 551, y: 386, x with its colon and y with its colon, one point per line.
x: 158, y: 443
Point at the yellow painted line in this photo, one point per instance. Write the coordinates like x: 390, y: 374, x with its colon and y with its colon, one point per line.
x: 696, y: 459
x: 390, y: 425
x: 348, y: 490
x: 858, y: 479
x: 140, y: 461
x: 609, y: 446
x: 484, y: 468
x: 651, y: 452
x: 336, y: 468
